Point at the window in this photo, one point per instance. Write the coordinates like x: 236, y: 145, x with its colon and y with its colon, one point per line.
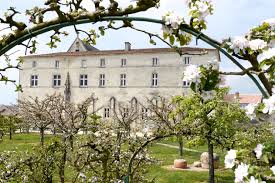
x: 101, y: 80
x: 106, y: 112
x: 186, y: 84
x: 187, y: 60
x: 34, y: 64
x: 83, y: 63
x: 102, y: 62
x: 122, y: 80
x: 83, y: 82
x: 77, y: 46
x: 56, y: 80
x: 56, y: 65
x: 123, y: 62
x: 154, y: 80
x: 144, y: 113
x: 155, y: 61
x: 34, y: 80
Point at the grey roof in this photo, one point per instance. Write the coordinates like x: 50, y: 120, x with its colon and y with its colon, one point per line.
x: 87, y: 47
x: 90, y: 47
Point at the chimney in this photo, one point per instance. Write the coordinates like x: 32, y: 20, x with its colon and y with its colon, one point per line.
x: 237, y: 95
x: 127, y: 46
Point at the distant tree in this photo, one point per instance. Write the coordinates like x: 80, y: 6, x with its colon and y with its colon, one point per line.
x: 37, y: 113
x: 160, y: 114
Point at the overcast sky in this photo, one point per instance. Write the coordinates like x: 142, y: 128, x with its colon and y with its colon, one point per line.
x: 231, y: 18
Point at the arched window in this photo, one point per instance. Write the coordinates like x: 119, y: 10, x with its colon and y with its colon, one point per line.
x: 134, y: 103
x: 113, y: 102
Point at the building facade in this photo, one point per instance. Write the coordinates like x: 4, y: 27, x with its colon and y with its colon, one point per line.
x: 119, y: 74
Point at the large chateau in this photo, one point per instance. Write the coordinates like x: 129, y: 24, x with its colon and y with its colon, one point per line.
x: 110, y: 74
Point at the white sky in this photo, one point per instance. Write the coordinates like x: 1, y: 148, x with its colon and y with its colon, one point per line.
x: 231, y: 18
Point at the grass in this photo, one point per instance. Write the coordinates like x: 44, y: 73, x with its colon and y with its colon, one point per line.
x: 164, y: 155
x: 167, y: 155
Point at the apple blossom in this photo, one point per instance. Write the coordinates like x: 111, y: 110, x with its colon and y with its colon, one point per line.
x: 269, y: 105
x: 192, y: 73
x: 266, y: 54
x: 259, y: 150
x: 250, y: 110
x: 167, y: 30
x: 239, y: 43
x: 257, y: 44
x: 241, y: 172
x: 172, y: 19
x: 208, y: 95
x: 254, y: 180
x: 203, y: 9
x: 229, y: 159
x: 273, y: 169
x: 139, y: 134
x: 270, y: 21
x: 82, y: 176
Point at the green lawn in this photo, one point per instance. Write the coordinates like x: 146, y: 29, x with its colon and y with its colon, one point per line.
x: 164, y: 155
x: 167, y: 155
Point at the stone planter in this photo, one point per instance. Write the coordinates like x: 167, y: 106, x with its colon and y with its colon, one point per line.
x: 180, y: 163
x: 205, y: 160
x: 197, y: 164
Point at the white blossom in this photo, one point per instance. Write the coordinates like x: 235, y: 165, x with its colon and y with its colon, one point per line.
x: 257, y: 44
x: 208, y: 95
x: 250, y: 110
x: 259, y: 150
x: 269, y: 105
x: 167, y: 30
x: 187, y: 2
x: 229, y: 159
x: 192, y: 73
x: 254, y: 180
x: 273, y: 169
x: 239, y: 43
x: 203, y: 10
x: 139, y: 134
x: 266, y: 54
x: 172, y: 19
x: 82, y: 176
x: 270, y: 21
x: 240, y: 172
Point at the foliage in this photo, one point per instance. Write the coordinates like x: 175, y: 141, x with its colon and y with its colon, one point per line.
x: 259, y: 162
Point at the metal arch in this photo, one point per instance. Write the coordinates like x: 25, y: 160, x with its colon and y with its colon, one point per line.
x: 184, y: 27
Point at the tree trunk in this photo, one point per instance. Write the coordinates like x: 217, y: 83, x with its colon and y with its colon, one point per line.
x: 71, y: 139
x: 180, y: 140
x: 10, y: 133
x: 62, y: 165
x: 42, y: 136
x: 211, y: 162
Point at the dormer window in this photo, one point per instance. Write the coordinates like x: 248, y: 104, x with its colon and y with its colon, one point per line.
x: 77, y: 46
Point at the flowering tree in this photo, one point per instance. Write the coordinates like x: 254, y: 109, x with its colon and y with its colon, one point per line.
x: 256, y: 165
x: 35, y: 112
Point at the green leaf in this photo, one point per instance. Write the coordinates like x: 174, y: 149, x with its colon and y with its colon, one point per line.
x: 172, y: 39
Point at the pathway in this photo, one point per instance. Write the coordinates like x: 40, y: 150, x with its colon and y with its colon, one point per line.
x: 177, y: 147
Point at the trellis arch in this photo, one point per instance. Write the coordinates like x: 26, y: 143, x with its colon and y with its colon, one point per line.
x: 29, y: 33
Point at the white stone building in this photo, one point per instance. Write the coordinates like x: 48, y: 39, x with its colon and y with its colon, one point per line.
x: 119, y: 74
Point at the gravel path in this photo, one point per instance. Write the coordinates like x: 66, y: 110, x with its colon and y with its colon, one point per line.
x: 176, y: 147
